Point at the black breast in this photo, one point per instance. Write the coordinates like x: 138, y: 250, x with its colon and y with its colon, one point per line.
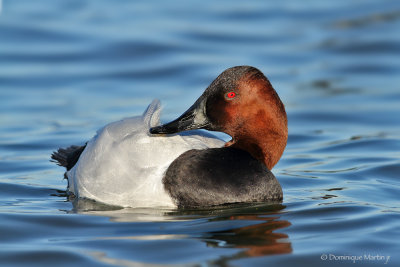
x: 217, y: 176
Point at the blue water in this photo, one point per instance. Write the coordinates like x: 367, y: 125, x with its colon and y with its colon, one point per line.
x: 69, y: 67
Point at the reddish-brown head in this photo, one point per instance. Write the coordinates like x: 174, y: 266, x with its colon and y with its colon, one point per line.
x: 242, y: 103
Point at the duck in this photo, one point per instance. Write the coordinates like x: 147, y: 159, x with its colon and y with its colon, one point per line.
x: 139, y: 162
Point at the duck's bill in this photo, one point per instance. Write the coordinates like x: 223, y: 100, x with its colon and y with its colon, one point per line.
x: 194, y: 118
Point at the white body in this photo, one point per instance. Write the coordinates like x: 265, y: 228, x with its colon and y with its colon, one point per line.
x: 124, y: 165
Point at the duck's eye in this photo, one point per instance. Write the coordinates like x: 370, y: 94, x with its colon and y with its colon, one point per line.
x: 230, y: 95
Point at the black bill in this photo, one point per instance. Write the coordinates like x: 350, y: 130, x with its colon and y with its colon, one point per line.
x: 194, y: 118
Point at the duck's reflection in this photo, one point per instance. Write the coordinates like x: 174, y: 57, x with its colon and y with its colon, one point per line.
x: 257, y: 230
x: 258, y: 239
x: 263, y: 236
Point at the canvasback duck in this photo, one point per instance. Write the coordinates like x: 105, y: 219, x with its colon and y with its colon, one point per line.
x: 136, y: 162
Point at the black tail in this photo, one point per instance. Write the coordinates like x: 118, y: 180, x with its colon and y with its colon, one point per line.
x: 67, y: 157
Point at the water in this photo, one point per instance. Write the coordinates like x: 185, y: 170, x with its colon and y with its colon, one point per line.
x: 69, y: 67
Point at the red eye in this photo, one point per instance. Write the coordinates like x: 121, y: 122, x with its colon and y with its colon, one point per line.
x: 230, y: 95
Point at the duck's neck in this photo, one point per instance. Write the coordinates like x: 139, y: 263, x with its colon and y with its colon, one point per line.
x: 269, y: 151
x: 265, y: 143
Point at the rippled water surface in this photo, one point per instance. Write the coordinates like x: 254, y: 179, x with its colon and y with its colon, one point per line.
x: 69, y: 67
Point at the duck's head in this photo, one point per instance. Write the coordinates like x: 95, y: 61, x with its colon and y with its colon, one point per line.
x: 240, y: 102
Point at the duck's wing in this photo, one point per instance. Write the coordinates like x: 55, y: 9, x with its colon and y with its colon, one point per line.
x: 151, y: 116
x: 67, y: 157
